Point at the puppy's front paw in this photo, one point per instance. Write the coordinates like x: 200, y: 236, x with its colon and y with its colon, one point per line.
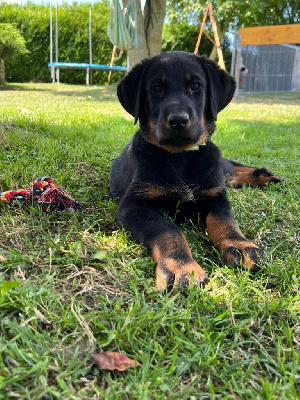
x: 247, y: 253
x: 171, y: 272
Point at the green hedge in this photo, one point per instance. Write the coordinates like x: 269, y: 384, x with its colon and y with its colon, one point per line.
x: 73, y: 44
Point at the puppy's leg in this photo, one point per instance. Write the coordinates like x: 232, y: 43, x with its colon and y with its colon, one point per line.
x: 240, y: 174
x: 165, y: 242
x: 175, y: 264
x: 228, y: 238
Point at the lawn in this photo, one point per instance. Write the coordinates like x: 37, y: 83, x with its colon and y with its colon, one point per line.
x: 73, y: 283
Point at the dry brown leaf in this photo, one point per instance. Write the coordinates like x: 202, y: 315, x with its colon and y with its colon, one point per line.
x: 113, y: 360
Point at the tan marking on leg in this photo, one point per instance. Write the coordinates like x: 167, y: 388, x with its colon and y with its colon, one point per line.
x: 171, y: 273
x: 219, y: 230
x: 175, y: 265
x: 220, y: 233
x: 190, y: 273
x: 240, y: 244
x: 165, y: 274
x: 241, y: 178
x: 253, y: 176
x: 168, y: 244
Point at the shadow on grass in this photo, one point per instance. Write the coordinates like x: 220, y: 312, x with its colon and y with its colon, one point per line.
x: 292, y: 98
x: 103, y: 93
x: 106, y: 91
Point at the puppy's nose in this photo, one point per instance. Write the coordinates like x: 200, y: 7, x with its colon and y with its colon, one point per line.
x: 178, y: 120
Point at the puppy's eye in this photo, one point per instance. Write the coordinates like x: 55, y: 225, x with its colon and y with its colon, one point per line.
x: 157, y: 88
x: 195, y: 86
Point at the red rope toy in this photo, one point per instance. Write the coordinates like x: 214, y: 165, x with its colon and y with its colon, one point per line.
x: 46, y: 192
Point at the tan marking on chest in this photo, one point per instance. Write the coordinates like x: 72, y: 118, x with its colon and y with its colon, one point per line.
x: 182, y: 192
x: 154, y: 191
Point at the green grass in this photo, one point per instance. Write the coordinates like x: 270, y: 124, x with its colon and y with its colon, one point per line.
x: 84, y: 286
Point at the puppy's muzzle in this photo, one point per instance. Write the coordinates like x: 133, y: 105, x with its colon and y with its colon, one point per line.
x: 178, y: 121
x: 179, y: 129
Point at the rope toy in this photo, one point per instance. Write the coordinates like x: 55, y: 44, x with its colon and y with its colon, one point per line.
x: 47, y: 194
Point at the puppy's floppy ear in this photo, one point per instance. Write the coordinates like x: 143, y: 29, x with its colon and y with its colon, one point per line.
x: 130, y: 89
x: 220, y: 87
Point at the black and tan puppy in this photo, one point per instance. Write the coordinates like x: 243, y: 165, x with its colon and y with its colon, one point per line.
x: 171, y: 165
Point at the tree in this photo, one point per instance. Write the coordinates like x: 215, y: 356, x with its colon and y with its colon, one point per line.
x: 149, y: 30
x: 233, y: 14
x: 12, y: 43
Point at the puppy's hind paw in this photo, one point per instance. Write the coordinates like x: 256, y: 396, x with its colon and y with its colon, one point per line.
x: 263, y: 176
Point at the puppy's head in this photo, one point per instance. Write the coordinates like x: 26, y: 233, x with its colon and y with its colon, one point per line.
x: 176, y: 97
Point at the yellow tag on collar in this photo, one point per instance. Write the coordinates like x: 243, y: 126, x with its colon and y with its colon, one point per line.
x: 197, y: 147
